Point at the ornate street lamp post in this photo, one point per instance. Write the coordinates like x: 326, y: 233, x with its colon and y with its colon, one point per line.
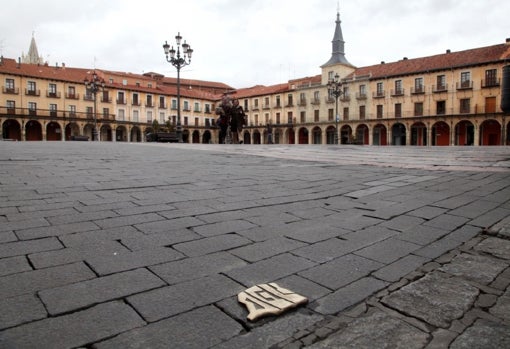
x: 335, y: 89
x: 93, y: 86
x: 174, y: 57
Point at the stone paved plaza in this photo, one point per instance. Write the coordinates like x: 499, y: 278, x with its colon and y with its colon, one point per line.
x: 110, y: 245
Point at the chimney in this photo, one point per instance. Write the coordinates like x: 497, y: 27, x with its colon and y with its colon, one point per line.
x: 405, y: 58
x: 507, y: 41
x: 19, y: 63
x: 448, y: 51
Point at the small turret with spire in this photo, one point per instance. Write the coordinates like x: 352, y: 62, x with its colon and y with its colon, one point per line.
x: 338, y: 43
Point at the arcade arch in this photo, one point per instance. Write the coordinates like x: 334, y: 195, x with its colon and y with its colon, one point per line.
x: 256, y: 137
x: 121, y: 134
x: 291, y: 135
x: 33, y: 131
x: 464, y: 133
x: 330, y: 134
x: 195, y: 137
x: 206, y: 137
x: 345, y: 134
x: 11, y: 129
x: 316, y: 135
x: 440, y: 134
x: 490, y: 132
x: 53, y: 132
x: 71, y: 130
x: 380, y: 135
x: 135, y: 134
x: 362, y: 134
x: 418, y: 134
x: 303, y: 135
x: 398, y: 134
x: 246, y: 137
x: 106, y: 133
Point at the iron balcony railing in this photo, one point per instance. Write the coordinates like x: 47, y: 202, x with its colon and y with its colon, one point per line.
x: 51, y: 113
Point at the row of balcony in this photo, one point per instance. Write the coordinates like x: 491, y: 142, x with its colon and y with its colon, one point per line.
x: 102, y: 99
x: 47, y: 113
x: 437, y: 88
x: 394, y: 114
x: 61, y: 114
x: 468, y: 84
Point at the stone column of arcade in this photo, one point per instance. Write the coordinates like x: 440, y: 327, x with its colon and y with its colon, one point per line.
x: 505, y: 100
x: 429, y: 135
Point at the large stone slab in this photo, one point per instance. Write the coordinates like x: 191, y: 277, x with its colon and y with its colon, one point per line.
x: 388, y: 251
x: 495, y: 246
x: 14, y: 265
x: 211, y: 244
x: 86, y: 293
x: 266, y: 249
x: 210, y: 326
x: 502, y: 227
x: 197, y: 267
x: 434, y: 298
x: 172, y: 300
x: 20, y: 309
x: 18, y: 248
x: 502, y: 308
x: 481, y: 269
x: 269, y: 269
x: 348, y: 296
x: 341, y: 271
x: 398, y: 269
x: 36, y: 280
x: 73, y: 330
x: 483, y: 334
x: 113, y: 263
x: 273, y: 332
x: 377, y: 330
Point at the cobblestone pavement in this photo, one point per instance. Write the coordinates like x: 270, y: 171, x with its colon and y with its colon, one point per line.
x: 106, y: 245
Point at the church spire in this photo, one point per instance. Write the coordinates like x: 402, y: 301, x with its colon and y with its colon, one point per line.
x: 33, y: 54
x: 338, y: 43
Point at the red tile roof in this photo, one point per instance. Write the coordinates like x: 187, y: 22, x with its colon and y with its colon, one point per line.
x: 77, y: 75
x: 307, y: 80
x: 477, y: 56
x: 198, y: 83
x: 260, y: 90
x: 57, y: 73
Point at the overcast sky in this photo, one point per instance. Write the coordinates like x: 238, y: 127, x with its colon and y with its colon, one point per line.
x: 245, y: 42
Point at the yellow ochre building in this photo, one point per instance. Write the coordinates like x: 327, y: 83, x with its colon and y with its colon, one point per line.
x: 452, y: 98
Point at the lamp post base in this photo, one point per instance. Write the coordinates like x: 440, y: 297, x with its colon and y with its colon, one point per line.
x: 178, y: 131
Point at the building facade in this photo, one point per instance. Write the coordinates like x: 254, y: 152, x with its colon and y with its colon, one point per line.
x: 452, y: 98
x: 45, y: 103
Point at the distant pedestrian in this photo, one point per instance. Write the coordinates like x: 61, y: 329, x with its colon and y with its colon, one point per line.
x: 237, y: 121
x: 231, y: 120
